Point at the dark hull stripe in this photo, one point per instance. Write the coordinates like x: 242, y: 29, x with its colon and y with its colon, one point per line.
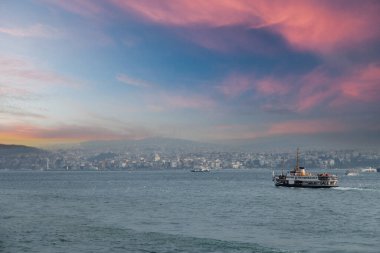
x: 306, y: 186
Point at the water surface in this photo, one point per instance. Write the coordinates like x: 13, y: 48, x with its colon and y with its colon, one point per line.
x: 180, y: 211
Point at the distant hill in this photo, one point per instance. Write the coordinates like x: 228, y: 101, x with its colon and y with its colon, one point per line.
x: 18, y: 149
x: 290, y: 143
x: 267, y: 144
x: 149, y: 144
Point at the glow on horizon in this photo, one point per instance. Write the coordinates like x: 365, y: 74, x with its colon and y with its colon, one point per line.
x: 201, y: 70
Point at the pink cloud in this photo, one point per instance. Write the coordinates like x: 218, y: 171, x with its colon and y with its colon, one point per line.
x: 357, y: 84
x: 363, y: 84
x: 271, y: 86
x: 314, y: 89
x: 325, y: 26
x: 321, y: 26
x: 235, y: 84
x: 319, y: 89
x: 312, y: 25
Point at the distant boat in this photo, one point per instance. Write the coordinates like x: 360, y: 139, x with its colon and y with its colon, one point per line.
x: 369, y: 170
x: 200, y: 169
x: 298, y: 177
x: 352, y: 173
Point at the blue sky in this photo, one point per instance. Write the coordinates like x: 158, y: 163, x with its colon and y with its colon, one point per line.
x: 80, y: 70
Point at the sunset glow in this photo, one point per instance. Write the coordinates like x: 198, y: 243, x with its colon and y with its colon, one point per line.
x: 79, y: 70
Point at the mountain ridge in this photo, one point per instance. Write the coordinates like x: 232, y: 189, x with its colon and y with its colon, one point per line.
x: 148, y: 143
x: 14, y: 149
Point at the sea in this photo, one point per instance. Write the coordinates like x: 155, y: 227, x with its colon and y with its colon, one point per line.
x: 180, y: 211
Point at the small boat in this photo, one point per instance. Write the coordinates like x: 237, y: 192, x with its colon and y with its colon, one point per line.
x: 298, y: 177
x: 200, y: 169
x: 368, y: 170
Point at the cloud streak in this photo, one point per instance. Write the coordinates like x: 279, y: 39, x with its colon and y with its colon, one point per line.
x: 133, y: 81
x: 17, y: 112
x: 19, y: 71
x: 37, y: 30
x: 87, y: 8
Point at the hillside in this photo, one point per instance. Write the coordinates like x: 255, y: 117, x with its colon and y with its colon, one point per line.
x: 150, y: 144
x: 6, y: 149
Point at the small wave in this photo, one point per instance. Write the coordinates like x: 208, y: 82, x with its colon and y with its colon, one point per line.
x: 161, y: 242
x: 194, y: 244
x: 354, y: 189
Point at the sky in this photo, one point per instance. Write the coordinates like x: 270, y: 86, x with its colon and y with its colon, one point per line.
x: 216, y: 70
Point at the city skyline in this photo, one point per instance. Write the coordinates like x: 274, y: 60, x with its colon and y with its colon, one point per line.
x: 81, y: 70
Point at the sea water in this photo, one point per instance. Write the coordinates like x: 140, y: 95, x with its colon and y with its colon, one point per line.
x: 181, y: 211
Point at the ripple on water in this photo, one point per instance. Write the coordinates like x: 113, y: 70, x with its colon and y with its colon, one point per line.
x: 177, y: 211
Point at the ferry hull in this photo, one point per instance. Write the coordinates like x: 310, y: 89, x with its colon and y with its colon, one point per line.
x: 305, y: 186
x: 326, y: 182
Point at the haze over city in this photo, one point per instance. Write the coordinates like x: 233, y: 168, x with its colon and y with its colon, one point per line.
x: 81, y: 70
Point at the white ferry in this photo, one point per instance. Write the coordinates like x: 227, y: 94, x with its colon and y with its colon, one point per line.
x: 368, y: 170
x: 298, y: 177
